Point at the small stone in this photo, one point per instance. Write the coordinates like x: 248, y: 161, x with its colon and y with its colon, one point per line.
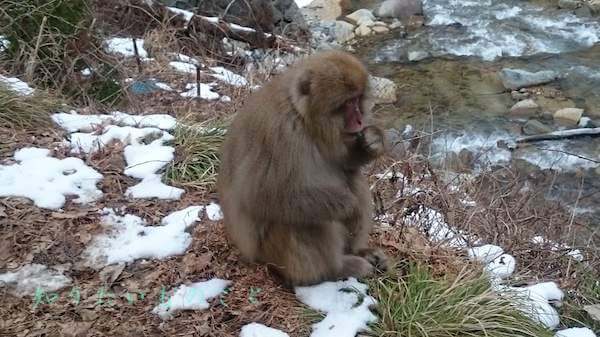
x: 416, y: 21
x: 417, y: 55
x: 525, y: 107
x: 380, y: 29
x: 363, y: 30
x: 586, y: 122
x: 401, y: 9
x: 382, y: 90
x: 361, y: 16
x: 519, y: 96
x: 569, y: 4
x: 396, y: 24
x: 535, y: 127
x: 547, y: 116
x: 569, y: 115
x: 518, y: 78
x: 344, y: 31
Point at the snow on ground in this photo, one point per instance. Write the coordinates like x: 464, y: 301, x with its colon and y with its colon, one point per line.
x: 164, y: 86
x: 436, y: 227
x: 303, y: 3
x: 501, y: 267
x: 47, y: 180
x: 213, y: 212
x: 16, y: 85
x: 205, y: 91
x: 191, y: 297
x: 229, y: 77
x: 183, y: 67
x: 485, y: 253
x: 74, y: 122
x: 575, y: 332
x: 124, y: 46
x: 259, y: 330
x: 130, y: 238
x: 345, y: 303
x: 145, y: 151
x: 574, y: 253
x: 187, y: 15
x: 186, y: 59
x: 32, y: 278
x: 4, y: 43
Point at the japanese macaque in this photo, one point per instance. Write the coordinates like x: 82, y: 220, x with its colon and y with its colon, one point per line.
x: 290, y: 184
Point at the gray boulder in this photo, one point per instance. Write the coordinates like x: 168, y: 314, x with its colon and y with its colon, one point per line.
x: 527, y: 107
x: 401, y: 9
x: 518, y: 78
x: 535, y: 127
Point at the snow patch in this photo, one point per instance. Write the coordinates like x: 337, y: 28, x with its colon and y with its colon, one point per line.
x: 229, y: 77
x: 534, y: 301
x: 575, y: 332
x: 259, y: 330
x: 187, y: 15
x: 205, y: 91
x: 16, y: 85
x: 124, y: 46
x: 485, y: 253
x: 303, y: 3
x: 29, y: 278
x: 47, y: 180
x: 213, y: 211
x: 345, y: 303
x: 194, y: 296
x: 183, y: 67
x: 501, y: 267
x: 73, y: 122
x: 433, y: 223
x: 130, y: 238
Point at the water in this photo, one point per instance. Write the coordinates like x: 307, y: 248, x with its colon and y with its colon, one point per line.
x: 456, y: 94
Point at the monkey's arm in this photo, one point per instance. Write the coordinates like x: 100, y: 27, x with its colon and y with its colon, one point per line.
x: 368, y: 145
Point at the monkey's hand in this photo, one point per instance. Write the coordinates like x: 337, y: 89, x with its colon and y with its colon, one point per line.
x: 366, y: 146
x: 371, y: 139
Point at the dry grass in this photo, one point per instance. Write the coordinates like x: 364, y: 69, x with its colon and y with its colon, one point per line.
x: 26, y: 112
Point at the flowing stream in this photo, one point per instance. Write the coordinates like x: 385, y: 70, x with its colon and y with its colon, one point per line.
x: 454, y: 91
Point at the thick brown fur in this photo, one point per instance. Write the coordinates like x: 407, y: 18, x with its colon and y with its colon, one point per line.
x: 290, y: 183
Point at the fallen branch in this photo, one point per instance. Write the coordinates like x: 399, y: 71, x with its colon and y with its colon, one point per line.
x: 558, y: 135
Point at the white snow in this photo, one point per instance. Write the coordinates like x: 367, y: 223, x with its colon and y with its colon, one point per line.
x: 186, y: 59
x: 4, y: 43
x: 213, y: 212
x: 229, y: 77
x: 502, y: 266
x: 573, y: 253
x: 16, y: 85
x: 259, y: 330
x: 191, y: 297
x: 575, y: 332
x: 153, y: 187
x: 485, y: 253
x: 75, y: 122
x: 124, y: 46
x: 164, y: 86
x: 130, y: 238
x: 145, y: 151
x: 183, y: 67
x: 205, y: 91
x: 346, y: 315
x: 86, y: 72
x: 436, y: 227
x: 303, y: 3
x: 29, y: 278
x: 534, y: 301
x: 47, y: 180
x: 187, y: 15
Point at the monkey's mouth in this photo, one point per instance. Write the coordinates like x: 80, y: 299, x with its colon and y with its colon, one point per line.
x: 353, y: 122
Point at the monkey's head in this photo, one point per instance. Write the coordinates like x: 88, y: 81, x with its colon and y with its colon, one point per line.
x: 328, y: 91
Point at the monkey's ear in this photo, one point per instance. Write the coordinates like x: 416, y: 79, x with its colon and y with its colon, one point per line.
x: 300, y: 91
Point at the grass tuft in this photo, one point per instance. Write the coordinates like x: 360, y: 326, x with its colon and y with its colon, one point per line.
x: 197, y: 159
x: 421, y: 305
x: 26, y: 112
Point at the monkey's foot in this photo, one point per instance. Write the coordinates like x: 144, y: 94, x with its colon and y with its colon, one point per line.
x: 376, y: 257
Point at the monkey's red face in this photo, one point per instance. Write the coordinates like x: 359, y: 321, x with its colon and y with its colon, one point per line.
x: 353, y: 116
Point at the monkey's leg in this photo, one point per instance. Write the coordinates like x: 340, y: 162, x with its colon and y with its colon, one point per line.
x: 310, y: 254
